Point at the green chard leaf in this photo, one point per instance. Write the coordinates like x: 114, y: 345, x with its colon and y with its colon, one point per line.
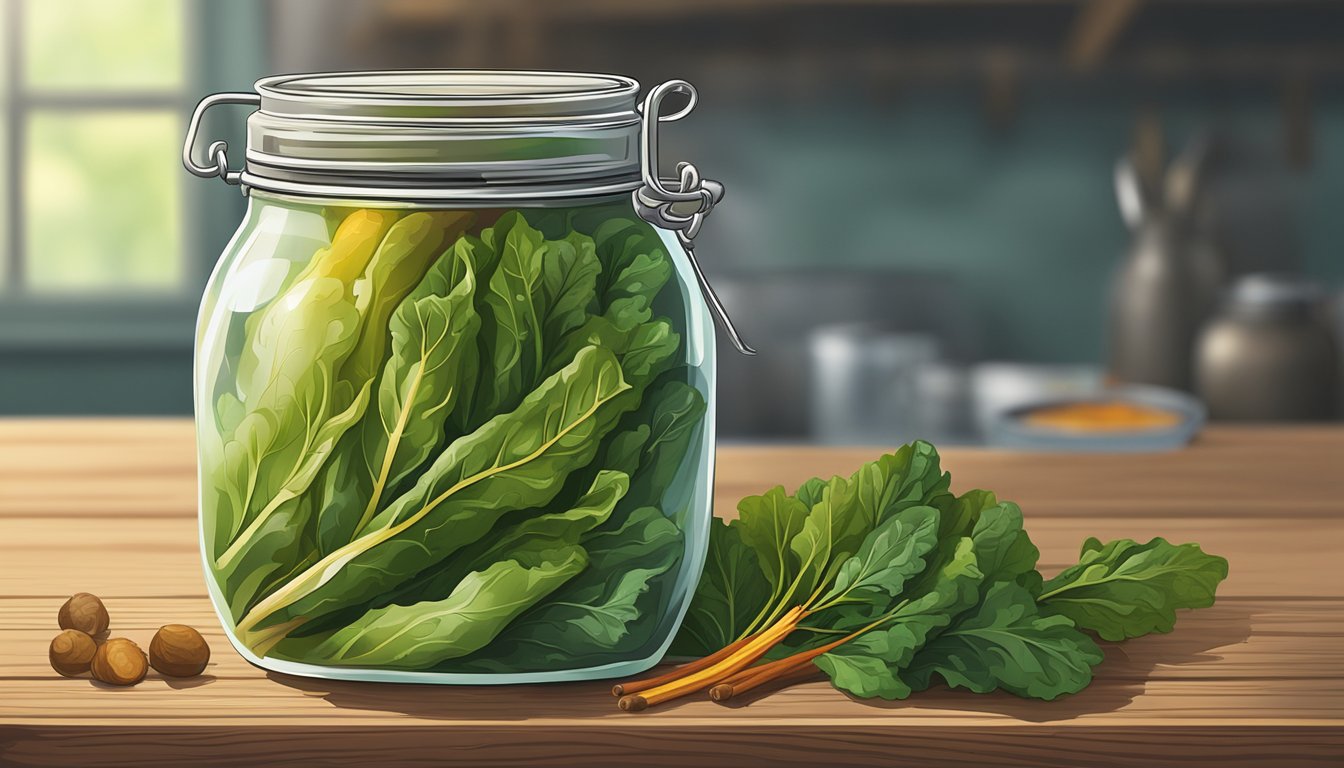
x: 516, y: 460
x: 638, y: 281
x: 874, y: 664
x: 552, y: 532
x: 636, y: 264
x: 955, y: 589
x: 674, y: 412
x: 846, y: 511
x: 890, y: 555
x: 910, y: 477
x: 592, y: 509
x: 602, y: 614
x: 908, y: 647
x: 731, y: 594
x: 621, y: 450
x: 286, y: 384
x: 1003, y: 549
x: 520, y: 528
x: 1005, y: 642
x: 424, y: 634
x: 472, y: 255
x: 650, y: 444
x: 569, y: 273
x: 274, y: 548
x: 809, y: 493
x: 650, y: 351
x: 803, y: 542
x: 646, y: 349
x: 768, y: 523
x: 1000, y: 552
x: 964, y: 511
x: 433, y: 349
x: 272, y: 543
x: 291, y: 427
x: 397, y: 267
x: 834, y: 529
x: 958, y: 517
x: 539, y: 298
x: 1124, y: 589
x: 871, y: 665
x: 512, y: 319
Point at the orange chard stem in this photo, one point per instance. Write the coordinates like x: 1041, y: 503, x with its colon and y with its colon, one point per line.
x: 733, y: 663
x: 722, y: 692
x: 635, y: 686
x: 779, y: 669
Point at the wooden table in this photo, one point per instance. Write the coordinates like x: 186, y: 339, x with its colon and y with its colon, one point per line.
x: 109, y: 507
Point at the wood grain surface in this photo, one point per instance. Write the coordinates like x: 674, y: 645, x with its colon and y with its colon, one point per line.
x: 108, y: 506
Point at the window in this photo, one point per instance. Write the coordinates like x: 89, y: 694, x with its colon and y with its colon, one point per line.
x: 92, y: 208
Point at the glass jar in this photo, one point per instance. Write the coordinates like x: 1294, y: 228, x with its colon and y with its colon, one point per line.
x: 454, y: 392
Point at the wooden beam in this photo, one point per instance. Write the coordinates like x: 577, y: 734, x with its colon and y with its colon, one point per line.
x: 1095, y: 30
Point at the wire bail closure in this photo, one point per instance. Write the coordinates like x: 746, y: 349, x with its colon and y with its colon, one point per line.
x: 681, y: 209
x: 218, y: 151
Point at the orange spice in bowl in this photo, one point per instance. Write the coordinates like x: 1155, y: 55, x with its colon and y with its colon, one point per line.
x: 1101, y: 416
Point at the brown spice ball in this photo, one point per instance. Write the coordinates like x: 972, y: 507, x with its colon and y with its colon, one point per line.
x: 70, y: 652
x: 84, y: 612
x: 178, y: 651
x: 119, y: 662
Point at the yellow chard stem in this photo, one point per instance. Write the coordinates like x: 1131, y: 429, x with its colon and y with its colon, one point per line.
x: 352, y: 246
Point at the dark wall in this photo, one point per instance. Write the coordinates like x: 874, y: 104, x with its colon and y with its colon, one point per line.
x: 950, y: 142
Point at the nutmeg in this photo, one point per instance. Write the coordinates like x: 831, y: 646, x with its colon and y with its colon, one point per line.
x: 70, y: 652
x: 84, y: 612
x: 119, y: 662
x: 178, y: 651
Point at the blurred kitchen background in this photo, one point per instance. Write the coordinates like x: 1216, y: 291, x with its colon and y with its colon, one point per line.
x: 937, y: 210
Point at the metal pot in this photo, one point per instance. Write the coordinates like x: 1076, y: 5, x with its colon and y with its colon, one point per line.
x: 1271, y: 355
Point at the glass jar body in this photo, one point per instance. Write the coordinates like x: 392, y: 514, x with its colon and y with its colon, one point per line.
x: 463, y: 446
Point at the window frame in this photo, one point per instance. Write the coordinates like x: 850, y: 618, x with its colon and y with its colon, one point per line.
x: 128, y: 319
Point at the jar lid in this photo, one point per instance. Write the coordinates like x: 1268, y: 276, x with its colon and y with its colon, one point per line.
x: 445, y: 135
x: 467, y: 137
